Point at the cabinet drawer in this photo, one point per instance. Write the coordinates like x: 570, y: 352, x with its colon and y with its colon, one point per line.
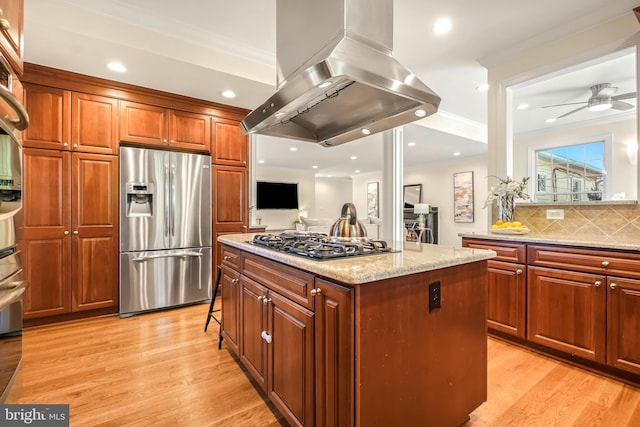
x: 511, y: 252
x: 288, y: 281
x: 587, y: 260
x: 230, y: 257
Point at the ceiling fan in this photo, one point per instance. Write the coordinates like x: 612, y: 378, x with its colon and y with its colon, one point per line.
x: 603, y: 97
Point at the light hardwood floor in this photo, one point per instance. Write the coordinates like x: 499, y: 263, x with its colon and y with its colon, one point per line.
x: 161, y: 369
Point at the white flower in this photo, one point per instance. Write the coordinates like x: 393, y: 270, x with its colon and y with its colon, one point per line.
x: 507, y: 187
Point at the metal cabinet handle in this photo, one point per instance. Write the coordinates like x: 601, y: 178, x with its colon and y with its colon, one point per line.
x: 75, y: 145
x: 266, y: 300
x: 4, y: 23
x: 66, y: 233
x: 226, y: 258
x: 234, y: 280
x: 65, y: 144
x: 75, y: 232
x: 316, y: 291
x: 265, y: 336
x: 22, y: 121
x: 519, y: 271
x: 605, y: 263
x: 613, y: 285
x: 261, y: 297
x: 597, y: 283
x: 164, y: 140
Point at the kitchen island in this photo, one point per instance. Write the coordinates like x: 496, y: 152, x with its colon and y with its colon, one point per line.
x: 388, y: 339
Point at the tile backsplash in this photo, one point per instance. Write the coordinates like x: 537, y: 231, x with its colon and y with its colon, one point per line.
x: 590, y: 221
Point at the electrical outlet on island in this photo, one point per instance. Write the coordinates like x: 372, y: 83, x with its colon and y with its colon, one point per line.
x: 555, y: 213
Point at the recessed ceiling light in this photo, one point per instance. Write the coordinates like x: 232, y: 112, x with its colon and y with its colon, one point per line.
x: 357, y: 171
x: 411, y: 144
x: 522, y: 106
x: 457, y: 153
x: 118, y: 67
x: 442, y: 26
x: 260, y: 161
x: 482, y: 87
x: 329, y: 176
x: 365, y: 131
x: 293, y: 149
x: 229, y: 94
x: 315, y: 166
x: 551, y: 120
x: 420, y: 113
x: 353, y: 157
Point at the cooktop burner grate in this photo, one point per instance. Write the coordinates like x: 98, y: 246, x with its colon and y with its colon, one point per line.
x: 318, y: 245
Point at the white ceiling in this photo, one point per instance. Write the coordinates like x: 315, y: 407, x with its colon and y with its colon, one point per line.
x: 200, y: 48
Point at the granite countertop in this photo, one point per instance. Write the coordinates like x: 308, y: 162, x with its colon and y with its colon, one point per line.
x: 597, y: 242
x: 407, y: 258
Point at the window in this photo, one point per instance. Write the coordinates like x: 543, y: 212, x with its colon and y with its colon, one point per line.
x: 570, y: 173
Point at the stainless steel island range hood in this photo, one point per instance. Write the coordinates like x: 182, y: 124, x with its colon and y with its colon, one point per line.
x: 336, y: 78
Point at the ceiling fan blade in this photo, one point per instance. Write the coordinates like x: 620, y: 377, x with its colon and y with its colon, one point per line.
x: 619, y: 105
x: 573, y: 111
x: 624, y: 96
x: 561, y: 105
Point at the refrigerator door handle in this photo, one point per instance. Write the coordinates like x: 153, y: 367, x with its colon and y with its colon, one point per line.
x: 166, y: 199
x: 175, y: 254
x: 173, y: 199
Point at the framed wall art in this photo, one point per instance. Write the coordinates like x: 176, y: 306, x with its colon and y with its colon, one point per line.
x: 372, y: 200
x: 463, y: 197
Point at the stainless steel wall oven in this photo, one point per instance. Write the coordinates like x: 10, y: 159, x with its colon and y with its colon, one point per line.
x: 12, y: 285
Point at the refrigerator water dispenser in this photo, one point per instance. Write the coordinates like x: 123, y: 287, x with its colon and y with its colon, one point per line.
x: 139, y: 199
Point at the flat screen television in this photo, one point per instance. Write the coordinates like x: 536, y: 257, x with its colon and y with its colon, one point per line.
x: 276, y: 195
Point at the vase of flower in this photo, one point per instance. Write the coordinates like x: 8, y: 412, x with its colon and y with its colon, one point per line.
x: 507, y: 207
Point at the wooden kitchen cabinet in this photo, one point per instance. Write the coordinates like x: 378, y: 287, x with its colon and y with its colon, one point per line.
x: 49, y: 117
x: 230, y: 286
x: 158, y: 126
x: 229, y: 204
x: 70, y: 231
x: 507, y: 285
x: 11, y: 32
x: 253, y: 348
x: 230, y: 145
x: 334, y: 337
x: 567, y: 311
x: 623, y: 312
x: 65, y: 120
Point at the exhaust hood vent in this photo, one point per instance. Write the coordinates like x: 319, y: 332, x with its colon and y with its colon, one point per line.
x: 337, y: 80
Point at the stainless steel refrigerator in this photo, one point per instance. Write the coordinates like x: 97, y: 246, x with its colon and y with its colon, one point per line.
x: 165, y: 229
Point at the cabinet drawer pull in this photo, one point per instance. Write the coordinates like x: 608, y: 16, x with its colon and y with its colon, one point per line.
x: 519, y: 271
x: 66, y: 233
x: 4, y: 23
x: 75, y: 232
x: 75, y: 145
x: 266, y: 300
x: 613, y: 285
x: 261, y: 297
x: 265, y: 336
x: 605, y: 263
x: 226, y: 258
x: 597, y: 283
x: 316, y: 291
x: 65, y: 144
x: 234, y: 280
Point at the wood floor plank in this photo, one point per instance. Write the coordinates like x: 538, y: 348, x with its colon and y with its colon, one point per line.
x: 161, y: 369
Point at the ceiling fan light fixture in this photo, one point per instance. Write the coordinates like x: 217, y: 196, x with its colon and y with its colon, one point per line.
x: 599, y: 104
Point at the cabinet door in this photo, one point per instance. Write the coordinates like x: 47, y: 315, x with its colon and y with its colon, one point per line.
x: 46, y: 232
x: 253, y: 347
x: 566, y: 311
x: 291, y: 360
x: 189, y: 130
x: 94, y: 124
x: 229, y: 283
x: 94, y: 222
x: 334, y: 354
x: 623, y: 313
x: 507, y: 289
x: 49, y: 117
x: 11, y: 32
x: 229, y: 203
x: 143, y: 124
x: 230, y: 145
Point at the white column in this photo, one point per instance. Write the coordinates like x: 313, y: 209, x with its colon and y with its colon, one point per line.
x: 392, y: 185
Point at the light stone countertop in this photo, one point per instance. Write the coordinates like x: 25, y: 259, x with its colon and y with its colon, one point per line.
x: 408, y: 258
x: 596, y: 242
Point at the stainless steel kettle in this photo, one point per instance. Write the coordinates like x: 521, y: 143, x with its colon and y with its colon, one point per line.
x: 348, y: 228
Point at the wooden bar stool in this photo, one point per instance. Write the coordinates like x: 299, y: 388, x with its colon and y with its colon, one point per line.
x: 211, y: 310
